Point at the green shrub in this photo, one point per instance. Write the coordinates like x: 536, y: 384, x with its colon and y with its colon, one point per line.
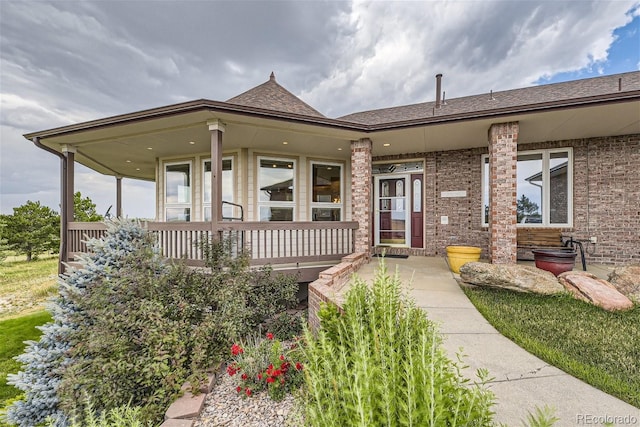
x: 149, y: 326
x: 121, y: 416
x: 382, y: 363
x: 286, y: 326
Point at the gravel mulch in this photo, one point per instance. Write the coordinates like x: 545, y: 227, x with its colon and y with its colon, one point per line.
x: 226, y: 407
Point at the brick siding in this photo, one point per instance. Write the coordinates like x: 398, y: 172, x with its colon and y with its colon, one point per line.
x: 326, y: 289
x: 361, y: 192
x: 606, y: 197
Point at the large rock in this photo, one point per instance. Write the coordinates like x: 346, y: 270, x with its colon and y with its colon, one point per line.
x: 627, y: 281
x: 589, y: 288
x: 515, y: 277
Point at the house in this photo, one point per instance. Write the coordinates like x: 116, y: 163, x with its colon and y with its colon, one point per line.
x: 411, y: 179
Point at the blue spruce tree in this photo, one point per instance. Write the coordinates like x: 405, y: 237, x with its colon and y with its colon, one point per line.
x: 44, y: 361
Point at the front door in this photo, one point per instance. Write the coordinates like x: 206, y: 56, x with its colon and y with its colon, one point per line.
x: 392, y: 222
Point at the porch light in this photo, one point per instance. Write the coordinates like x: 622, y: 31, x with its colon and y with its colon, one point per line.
x: 128, y: 161
x: 137, y: 169
x: 192, y: 142
x: 149, y: 148
x: 339, y: 149
x: 386, y: 144
x: 284, y: 143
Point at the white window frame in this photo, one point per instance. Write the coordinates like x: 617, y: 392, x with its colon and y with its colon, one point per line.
x: 277, y: 204
x: 205, y: 204
x: 326, y: 205
x: 546, y: 191
x: 182, y: 205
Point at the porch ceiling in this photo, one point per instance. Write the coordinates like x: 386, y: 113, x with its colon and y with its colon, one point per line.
x: 131, y: 149
x: 593, y: 121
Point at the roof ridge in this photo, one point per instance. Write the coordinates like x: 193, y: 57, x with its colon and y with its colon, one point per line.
x: 271, y: 95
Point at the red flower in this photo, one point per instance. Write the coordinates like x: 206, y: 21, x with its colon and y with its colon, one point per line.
x: 269, y: 335
x: 270, y: 379
x: 231, y: 370
x: 244, y: 376
x: 239, y: 389
x: 260, y: 376
x: 298, y: 366
x: 236, y: 349
x: 282, y: 357
x: 248, y: 392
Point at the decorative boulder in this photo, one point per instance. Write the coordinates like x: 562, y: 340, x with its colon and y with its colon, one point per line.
x: 599, y: 292
x: 514, y: 277
x: 627, y: 281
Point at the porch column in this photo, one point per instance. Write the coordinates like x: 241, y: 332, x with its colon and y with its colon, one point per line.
x: 361, y: 192
x: 118, y: 196
x: 217, y: 128
x: 503, y: 160
x: 69, y: 152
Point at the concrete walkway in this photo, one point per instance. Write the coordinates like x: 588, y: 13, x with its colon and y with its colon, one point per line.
x: 522, y: 381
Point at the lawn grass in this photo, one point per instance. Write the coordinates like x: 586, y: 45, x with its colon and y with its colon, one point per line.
x: 600, y: 347
x: 26, y: 286
x: 14, y: 332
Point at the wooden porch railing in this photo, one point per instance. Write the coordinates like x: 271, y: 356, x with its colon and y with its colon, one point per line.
x: 267, y: 242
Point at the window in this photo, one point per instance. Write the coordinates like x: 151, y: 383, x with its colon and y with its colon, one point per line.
x: 544, y: 188
x: 227, y: 189
x: 326, y: 192
x: 276, y: 181
x: 178, y: 192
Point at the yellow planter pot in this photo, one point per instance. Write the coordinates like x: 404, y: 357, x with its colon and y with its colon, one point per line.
x: 460, y: 255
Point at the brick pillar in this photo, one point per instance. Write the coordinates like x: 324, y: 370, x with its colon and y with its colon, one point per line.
x: 503, y: 159
x: 361, y: 192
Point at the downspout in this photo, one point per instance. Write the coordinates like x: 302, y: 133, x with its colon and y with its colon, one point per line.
x: 62, y: 256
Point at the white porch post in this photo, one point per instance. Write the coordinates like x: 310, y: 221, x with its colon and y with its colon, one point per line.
x: 217, y: 128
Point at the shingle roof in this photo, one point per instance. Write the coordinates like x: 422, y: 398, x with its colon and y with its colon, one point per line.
x: 504, y: 99
x: 271, y: 96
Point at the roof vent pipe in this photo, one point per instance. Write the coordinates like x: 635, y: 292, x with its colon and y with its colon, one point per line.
x: 619, y: 84
x: 438, y: 89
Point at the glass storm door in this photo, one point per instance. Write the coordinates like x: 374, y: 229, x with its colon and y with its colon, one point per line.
x: 391, y: 213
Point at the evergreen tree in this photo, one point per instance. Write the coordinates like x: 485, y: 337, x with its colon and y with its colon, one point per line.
x: 32, y: 229
x: 526, y: 207
x: 45, y: 360
x: 84, y: 210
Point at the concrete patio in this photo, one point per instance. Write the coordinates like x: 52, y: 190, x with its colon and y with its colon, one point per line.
x: 521, y: 380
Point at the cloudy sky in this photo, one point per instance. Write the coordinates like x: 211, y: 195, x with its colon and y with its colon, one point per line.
x: 63, y: 62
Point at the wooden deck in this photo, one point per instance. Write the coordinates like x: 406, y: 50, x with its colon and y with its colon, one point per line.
x: 305, y: 248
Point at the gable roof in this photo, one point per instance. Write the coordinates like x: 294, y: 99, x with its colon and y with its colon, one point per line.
x: 271, y: 96
x: 508, y: 99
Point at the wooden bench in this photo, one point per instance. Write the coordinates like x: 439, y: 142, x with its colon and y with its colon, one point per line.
x: 538, y: 238
x: 545, y: 238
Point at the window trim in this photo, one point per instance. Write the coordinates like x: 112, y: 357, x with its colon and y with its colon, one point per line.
x: 326, y: 205
x: 183, y: 205
x: 546, y: 196
x: 281, y: 204
x: 204, y: 180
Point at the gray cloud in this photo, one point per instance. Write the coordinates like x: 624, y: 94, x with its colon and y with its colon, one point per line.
x: 69, y: 61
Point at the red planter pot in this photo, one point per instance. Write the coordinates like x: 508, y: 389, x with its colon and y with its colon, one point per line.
x: 555, y: 261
